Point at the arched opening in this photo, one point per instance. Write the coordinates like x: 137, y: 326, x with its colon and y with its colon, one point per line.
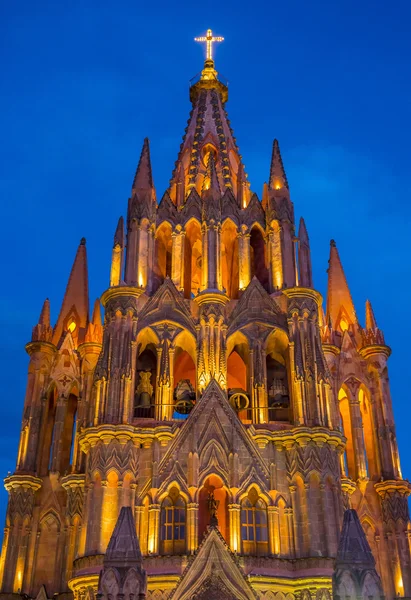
x: 184, y: 382
x: 278, y: 389
x: 143, y: 525
x: 67, y: 446
x: 301, y: 512
x: 48, y: 432
x: 258, y: 257
x: 349, y: 456
x: 173, y: 523
x: 46, y: 554
x: 146, y: 373
x: 229, y: 258
x: 368, y: 431
x: 238, y: 376
x: 213, y: 486
x: 284, y: 544
x: 254, y: 532
x: 110, y: 509
x: 163, y: 253
x: 193, y: 253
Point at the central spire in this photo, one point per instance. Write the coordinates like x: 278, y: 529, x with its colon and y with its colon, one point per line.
x: 208, y: 133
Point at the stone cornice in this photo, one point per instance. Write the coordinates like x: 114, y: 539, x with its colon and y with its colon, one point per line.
x: 301, y: 292
x: 39, y: 346
x: 121, y: 290
x: 23, y: 481
x: 402, y: 486
x: 125, y: 433
x: 74, y: 480
x: 300, y: 436
x: 375, y: 349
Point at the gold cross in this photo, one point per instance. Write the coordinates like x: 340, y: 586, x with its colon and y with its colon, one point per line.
x: 209, y: 39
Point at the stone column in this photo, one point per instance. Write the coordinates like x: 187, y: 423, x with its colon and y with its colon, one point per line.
x: 273, y: 531
x: 177, y: 259
x: 244, y: 257
x: 276, y: 262
x: 153, y: 528
x: 234, y: 511
x: 357, y: 430
x: 192, y: 527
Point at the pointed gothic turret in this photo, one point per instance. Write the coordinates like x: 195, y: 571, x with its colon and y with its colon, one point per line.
x: 278, y: 178
x: 140, y: 216
x: 340, y: 311
x: 74, y: 311
x: 117, y: 254
x: 370, y: 321
x: 208, y: 130
x: 123, y: 560
x: 143, y: 179
x: 304, y: 256
x: 43, y: 331
x: 355, y: 564
x: 372, y: 335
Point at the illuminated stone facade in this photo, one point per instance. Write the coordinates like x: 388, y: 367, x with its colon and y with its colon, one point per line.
x: 234, y: 419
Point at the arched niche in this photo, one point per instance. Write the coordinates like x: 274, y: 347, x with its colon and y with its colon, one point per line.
x: 193, y: 259
x: 163, y: 253
x: 68, y: 443
x: 48, y: 430
x: 173, y: 516
x: 185, y: 375
x: 368, y: 431
x: 238, y: 356
x: 278, y: 383
x: 213, y: 485
x: 46, y: 553
x: 349, y: 465
x: 146, y: 374
x: 229, y: 258
x: 258, y: 256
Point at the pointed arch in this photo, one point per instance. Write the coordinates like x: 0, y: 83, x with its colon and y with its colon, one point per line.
x: 254, y: 523
x: 370, y: 444
x: 46, y: 551
x: 193, y: 258
x: 162, y: 252
x: 229, y: 258
x: 173, y: 523
x: 258, y: 256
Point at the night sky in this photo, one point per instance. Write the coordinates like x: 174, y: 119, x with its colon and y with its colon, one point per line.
x: 82, y: 83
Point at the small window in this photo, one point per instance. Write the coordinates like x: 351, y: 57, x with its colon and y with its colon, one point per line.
x: 254, y: 532
x: 173, y: 523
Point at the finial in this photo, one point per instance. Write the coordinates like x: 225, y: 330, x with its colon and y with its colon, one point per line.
x: 83, y: 241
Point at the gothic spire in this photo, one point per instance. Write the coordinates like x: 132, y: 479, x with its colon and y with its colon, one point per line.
x: 304, y: 256
x: 124, y: 549
x: 43, y: 331
x: 370, y: 321
x: 340, y: 307
x: 96, y: 318
x: 278, y: 178
x: 119, y: 234
x: 75, y: 307
x: 143, y: 179
x: 354, y: 551
x: 208, y: 130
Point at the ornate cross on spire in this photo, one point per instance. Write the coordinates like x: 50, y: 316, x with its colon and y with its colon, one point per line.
x: 209, y: 39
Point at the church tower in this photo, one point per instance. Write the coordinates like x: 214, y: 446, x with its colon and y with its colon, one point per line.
x: 219, y: 435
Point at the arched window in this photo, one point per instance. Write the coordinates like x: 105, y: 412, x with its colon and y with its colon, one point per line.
x: 173, y: 523
x: 145, y: 383
x: 254, y: 533
x: 258, y: 257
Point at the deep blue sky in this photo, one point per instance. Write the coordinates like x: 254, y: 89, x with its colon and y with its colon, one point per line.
x: 82, y: 83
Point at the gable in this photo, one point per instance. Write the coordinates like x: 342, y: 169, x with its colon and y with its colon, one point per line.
x: 213, y: 431
x: 213, y: 574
